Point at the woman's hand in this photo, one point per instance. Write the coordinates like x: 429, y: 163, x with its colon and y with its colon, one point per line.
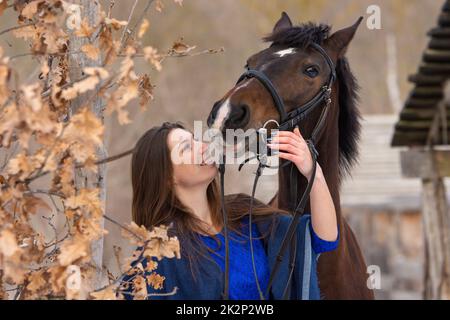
x: 294, y: 148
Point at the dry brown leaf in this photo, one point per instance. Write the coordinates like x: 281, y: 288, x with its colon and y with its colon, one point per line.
x: 145, y: 91
x: 92, y: 52
x: 3, y: 6
x: 157, y: 243
x: 45, y: 69
x: 8, y: 243
x: 152, y: 56
x: 36, y: 280
x: 80, y: 87
x: 159, y: 6
x: 30, y: 9
x: 86, y: 131
x: 179, y: 47
x: 116, y: 24
x: 139, y: 288
x: 14, y: 273
x: 163, y: 249
x: 96, y: 71
x: 120, y: 98
x: 95, y: 75
x: 136, y: 230
x: 151, y: 265
x: 143, y: 28
x: 73, y: 249
x: 63, y: 180
x: 85, y: 198
x: 109, y: 293
x: 31, y: 204
x: 57, y: 279
x: 32, y: 96
x: 55, y: 39
x: 22, y: 165
x: 91, y: 228
x: 85, y: 29
x: 155, y: 280
x: 9, y: 119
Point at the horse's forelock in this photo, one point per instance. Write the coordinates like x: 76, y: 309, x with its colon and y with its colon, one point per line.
x: 300, y: 36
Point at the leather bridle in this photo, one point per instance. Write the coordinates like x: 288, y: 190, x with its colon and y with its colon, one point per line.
x: 288, y: 121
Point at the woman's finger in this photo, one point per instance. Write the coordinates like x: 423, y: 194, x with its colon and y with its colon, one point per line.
x: 286, y: 140
x: 287, y: 134
x: 288, y: 156
x: 286, y: 147
x: 299, y: 134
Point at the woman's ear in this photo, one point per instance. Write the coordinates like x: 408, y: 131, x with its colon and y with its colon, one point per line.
x: 338, y: 42
x: 283, y: 23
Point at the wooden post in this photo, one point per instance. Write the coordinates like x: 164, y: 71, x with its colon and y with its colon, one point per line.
x: 90, y: 11
x: 436, y: 233
x: 431, y: 165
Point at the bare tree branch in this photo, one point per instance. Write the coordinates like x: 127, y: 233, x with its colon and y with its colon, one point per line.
x: 16, y: 27
x: 136, y: 25
x: 125, y: 29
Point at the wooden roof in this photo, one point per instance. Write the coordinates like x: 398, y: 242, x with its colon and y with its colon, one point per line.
x: 377, y: 179
x: 421, y: 107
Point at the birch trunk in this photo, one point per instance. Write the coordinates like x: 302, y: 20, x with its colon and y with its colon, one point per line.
x: 90, y: 11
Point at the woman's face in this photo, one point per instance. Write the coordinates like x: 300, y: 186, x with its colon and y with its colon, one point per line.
x: 188, y: 159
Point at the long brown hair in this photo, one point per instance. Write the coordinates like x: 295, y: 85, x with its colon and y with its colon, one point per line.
x: 155, y: 201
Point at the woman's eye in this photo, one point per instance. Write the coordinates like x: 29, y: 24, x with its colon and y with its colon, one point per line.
x: 186, y: 147
x: 311, y: 72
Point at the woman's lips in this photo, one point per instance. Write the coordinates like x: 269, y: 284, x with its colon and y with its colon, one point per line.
x: 208, y: 162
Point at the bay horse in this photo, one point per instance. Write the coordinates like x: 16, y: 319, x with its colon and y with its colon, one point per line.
x: 297, y: 73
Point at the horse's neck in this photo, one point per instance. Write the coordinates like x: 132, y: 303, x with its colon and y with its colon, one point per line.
x: 329, y: 162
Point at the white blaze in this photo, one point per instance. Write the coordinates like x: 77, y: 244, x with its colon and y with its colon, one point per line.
x: 224, y: 110
x: 285, y: 52
x: 222, y: 114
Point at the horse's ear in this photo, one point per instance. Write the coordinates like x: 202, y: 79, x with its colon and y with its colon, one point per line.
x: 283, y: 23
x: 338, y: 42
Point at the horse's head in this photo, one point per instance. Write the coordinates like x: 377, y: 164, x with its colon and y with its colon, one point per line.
x: 296, y: 70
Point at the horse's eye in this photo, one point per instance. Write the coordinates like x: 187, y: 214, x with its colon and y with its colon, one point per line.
x: 311, y: 72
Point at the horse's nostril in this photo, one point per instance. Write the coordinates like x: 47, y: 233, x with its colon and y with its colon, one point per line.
x: 239, y: 116
x: 211, y: 118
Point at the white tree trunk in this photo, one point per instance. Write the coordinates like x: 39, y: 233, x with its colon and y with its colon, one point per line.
x: 392, y: 73
x: 90, y: 11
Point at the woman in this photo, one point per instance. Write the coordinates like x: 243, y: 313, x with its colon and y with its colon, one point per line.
x: 186, y: 196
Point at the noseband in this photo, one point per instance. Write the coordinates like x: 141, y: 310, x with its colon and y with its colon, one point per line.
x: 288, y: 121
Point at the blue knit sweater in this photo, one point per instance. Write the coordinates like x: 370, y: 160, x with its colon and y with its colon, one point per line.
x: 210, y: 284
x: 243, y: 284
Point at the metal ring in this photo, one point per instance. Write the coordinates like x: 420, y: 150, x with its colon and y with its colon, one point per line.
x: 269, y: 121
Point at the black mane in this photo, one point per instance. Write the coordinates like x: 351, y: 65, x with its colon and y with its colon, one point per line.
x: 302, y: 36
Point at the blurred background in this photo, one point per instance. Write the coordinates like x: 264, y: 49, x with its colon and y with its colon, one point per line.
x: 382, y: 207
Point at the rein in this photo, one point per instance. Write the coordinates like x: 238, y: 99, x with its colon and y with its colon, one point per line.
x: 288, y: 121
